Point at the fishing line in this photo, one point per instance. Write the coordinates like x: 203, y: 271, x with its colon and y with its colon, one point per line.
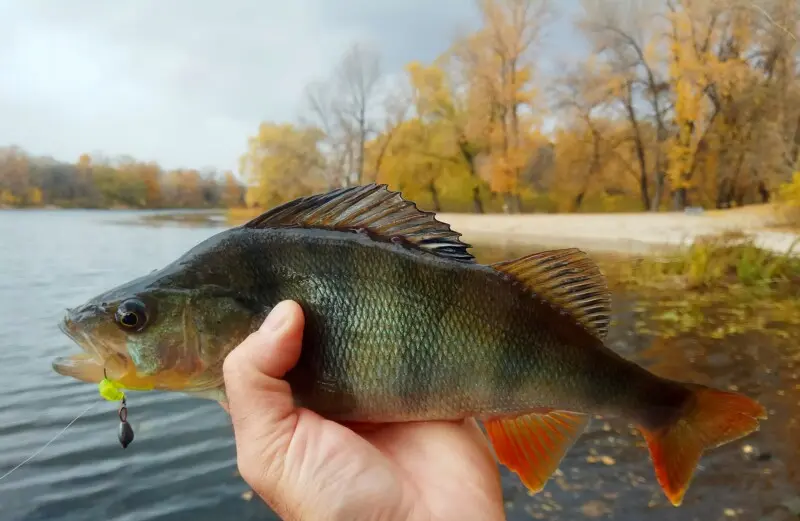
x: 54, y: 438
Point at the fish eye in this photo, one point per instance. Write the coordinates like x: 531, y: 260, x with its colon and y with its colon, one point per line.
x: 132, y: 315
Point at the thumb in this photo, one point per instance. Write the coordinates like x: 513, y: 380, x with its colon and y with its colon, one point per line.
x: 259, y: 402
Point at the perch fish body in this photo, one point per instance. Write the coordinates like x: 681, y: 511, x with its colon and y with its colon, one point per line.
x: 402, y: 324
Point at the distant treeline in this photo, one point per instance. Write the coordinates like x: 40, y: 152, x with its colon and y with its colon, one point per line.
x: 28, y: 181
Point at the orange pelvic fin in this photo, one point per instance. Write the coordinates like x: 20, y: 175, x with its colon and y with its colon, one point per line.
x: 710, y: 419
x: 533, y: 445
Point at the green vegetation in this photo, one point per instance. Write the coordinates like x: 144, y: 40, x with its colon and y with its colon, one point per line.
x: 721, y: 262
x: 717, y: 287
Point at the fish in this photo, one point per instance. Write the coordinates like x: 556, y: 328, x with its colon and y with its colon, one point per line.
x: 403, y: 324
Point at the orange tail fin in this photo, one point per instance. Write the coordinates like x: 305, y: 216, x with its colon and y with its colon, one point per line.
x: 710, y: 419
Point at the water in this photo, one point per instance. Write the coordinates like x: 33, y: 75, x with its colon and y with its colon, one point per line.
x: 182, y: 463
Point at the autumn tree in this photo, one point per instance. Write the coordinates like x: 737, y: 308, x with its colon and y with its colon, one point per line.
x: 150, y: 174
x: 343, y: 107
x: 627, y: 39
x: 283, y: 161
x: 232, y: 191
x: 442, y: 97
x: 504, y: 60
x: 732, y: 70
x: 15, y: 185
x: 397, y: 105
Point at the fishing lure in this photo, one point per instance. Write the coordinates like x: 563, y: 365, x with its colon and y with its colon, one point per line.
x: 112, y: 392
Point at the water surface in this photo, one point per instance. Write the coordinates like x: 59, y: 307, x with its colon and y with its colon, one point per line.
x: 182, y: 464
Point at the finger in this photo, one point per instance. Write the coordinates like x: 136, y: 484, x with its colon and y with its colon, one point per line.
x: 257, y: 397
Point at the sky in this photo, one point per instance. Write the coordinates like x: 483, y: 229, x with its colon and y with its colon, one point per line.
x: 186, y: 82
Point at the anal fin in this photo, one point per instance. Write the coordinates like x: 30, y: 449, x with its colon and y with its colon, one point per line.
x: 533, y: 445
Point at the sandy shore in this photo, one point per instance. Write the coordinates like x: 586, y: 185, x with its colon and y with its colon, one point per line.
x: 624, y: 233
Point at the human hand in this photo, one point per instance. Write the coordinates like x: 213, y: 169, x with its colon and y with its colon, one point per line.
x: 308, y: 468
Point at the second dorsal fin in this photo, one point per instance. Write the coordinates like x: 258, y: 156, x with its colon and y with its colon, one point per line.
x: 570, y: 281
x: 381, y: 212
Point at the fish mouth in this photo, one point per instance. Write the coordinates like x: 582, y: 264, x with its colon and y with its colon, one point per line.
x: 83, y: 367
x: 71, y: 328
x: 94, y: 363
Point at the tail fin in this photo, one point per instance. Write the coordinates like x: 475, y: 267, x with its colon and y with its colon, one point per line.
x: 709, y: 419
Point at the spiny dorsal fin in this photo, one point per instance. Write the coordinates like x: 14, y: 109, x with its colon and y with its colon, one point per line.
x: 569, y: 280
x: 374, y: 208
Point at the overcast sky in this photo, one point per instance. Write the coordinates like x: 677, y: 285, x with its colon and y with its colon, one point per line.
x: 185, y: 82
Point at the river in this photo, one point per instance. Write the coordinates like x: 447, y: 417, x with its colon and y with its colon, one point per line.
x: 182, y: 463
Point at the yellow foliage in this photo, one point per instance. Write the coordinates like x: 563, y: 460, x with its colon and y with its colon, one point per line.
x: 8, y: 198
x: 789, y: 196
x: 35, y: 196
x: 283, y: 162
x: 423, y: 162
x: 790, y: 192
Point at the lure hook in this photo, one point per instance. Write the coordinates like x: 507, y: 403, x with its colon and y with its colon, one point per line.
x: 112, y: 392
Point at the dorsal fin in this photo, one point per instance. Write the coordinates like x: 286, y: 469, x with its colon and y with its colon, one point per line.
x: 570, y: 281
x: 373, y: 208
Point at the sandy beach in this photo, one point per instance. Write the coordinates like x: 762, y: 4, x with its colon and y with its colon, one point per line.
x: 635, y: 233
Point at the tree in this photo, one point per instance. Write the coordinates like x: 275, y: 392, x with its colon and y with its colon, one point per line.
x: 626, y: 36
x: 342, y: 107
x: 15, y: 183
x: 500, y: 56
x: 440, y: 95
x: 233, y: 191
x: 283, y: 162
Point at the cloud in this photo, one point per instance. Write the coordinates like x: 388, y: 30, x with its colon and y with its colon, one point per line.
x: 185, y: 82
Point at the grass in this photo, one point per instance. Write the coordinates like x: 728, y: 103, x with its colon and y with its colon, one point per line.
x: 719, y: 286
x: 719, y: 261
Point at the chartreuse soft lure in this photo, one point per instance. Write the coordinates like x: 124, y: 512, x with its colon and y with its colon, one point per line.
x: 112, y: 391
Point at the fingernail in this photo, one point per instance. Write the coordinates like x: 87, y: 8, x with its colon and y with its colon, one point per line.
x: 276, y: 318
